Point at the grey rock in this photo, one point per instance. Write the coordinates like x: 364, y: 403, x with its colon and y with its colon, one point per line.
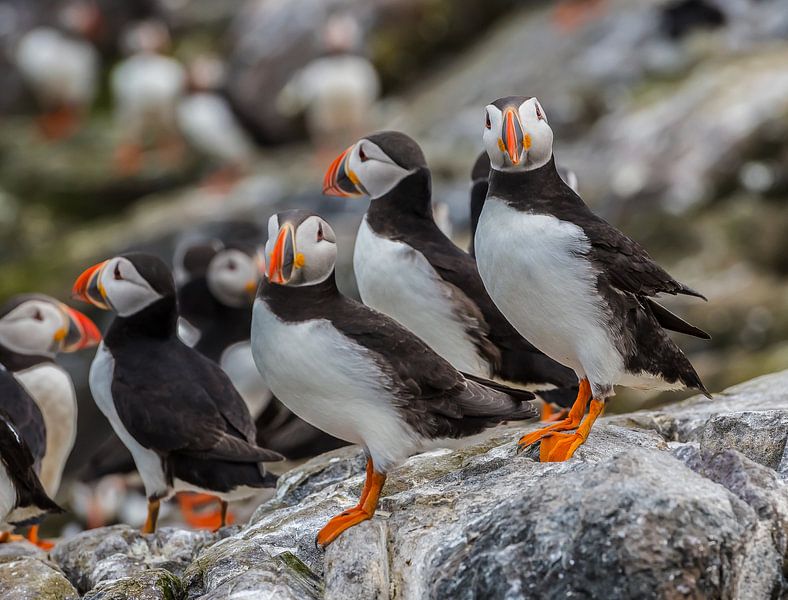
x: 31, y: 578
x: 155, y: 584
x: 110, y: 553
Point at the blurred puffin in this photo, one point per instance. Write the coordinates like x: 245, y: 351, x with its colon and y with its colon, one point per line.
x: 217, y: 283
x: 208, y: 123
x: 479, y: 184
x: 336, y: 91
x: 33, y: 328
x: 354, y: 372
x: 146, y: 89
x: 186, y: 426
x: 61, y: 67
x: 22, y: 497
x: 408, y: 269
x: 570, y: 282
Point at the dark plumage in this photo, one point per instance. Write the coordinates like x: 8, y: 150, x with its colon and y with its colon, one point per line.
x: 24, y: 414
x: 32, y: 501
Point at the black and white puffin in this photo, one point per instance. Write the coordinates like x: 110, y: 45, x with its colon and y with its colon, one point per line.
x: 33, y: 329
x: 22, y: 497
x: 217, y: 282
x: 176, y: 411
x: 570, y: 282
x: 480, y: 174
x: 353, y: 371
x: 408, y: 269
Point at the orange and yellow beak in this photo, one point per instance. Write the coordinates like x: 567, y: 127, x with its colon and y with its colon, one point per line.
x: 81, y: 331
x: 512, y: 137
x: 88, y: 287
x: 282, y: 260
x: 340, y: 180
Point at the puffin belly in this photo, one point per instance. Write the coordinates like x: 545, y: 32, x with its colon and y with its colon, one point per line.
x: 341, y: 389
x: 397, y: 280
x: 52, y: 390
x: 534, y: 269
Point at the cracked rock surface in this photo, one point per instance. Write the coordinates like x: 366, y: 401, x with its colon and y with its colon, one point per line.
x: 689, y: 501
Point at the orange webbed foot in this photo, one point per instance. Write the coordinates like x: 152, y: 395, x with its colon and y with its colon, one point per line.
x: 7, y: 536
x: 343, y: 521
x: 32, y: 537
x: 552, y: 413
x: 558, y: 447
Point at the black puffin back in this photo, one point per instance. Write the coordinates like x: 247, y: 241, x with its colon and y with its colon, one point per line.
x: 20, y: 466
x: 24, y: 413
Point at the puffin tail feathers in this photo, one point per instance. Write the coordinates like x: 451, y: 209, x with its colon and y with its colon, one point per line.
x: 673, y: 322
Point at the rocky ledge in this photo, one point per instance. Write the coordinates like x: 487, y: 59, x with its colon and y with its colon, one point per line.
x: 689, y: 501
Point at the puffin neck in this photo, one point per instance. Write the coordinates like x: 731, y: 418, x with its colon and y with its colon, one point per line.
x: 297, y: 303
x: 410, y: 198
x: 158, y: 320
x: 522, y: 187
x: 16, y: 361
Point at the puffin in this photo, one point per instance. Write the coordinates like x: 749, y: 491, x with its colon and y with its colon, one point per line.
x: 217, y: 282
x: 337, y: 91
x: 146, y: 88
x: 33, y: 329
x: 23, y: 499
x: 208, y: 123
x: 61, y: 68
x: 480, y: 173
x: 408, y: 269
x: 356, y: 373
x: 570, y: 282
x: 176, y: 411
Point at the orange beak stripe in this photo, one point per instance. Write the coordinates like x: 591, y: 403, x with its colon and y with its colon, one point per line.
x: 82, y: 286
x: 90, y: 334
x: 277, y: 255
x: 513, y: 146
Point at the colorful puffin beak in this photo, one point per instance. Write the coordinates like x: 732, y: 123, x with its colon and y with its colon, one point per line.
x: 512, y: 136
x: 283, y: 258
x: 340, y: 180
x: 88, y: 288
x: 81, y: 332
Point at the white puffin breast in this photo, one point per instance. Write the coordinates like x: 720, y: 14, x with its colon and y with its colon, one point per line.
x: 330, y: 382
x: 398, y: 281
x: 533, y: 268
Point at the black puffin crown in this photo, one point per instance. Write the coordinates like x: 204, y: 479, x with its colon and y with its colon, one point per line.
x: 401, y: 148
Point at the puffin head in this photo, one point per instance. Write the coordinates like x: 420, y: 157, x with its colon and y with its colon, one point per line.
x: 126, y: 284
x: 301, y: 249
x: 516, y: 134
x: 374, y: 165
x: 36, y: 324
x: 232, y: 272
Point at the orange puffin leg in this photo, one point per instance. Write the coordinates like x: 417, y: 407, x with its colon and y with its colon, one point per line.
x: 552, y: 413
x: 153, y: 517
x: 361, y: 512
x: 571, y: 421
x: 59, y: 123
x: 7, y: 536
x: 558, y: 447
x: 190, y: 503
x: 32, y: 537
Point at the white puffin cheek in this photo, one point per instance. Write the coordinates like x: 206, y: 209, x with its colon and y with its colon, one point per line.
x: 492, y: 140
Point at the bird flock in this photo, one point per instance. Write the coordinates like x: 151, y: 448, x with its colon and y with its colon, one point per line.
x: 238, y: 358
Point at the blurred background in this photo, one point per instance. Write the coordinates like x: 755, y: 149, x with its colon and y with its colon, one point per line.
x: 131, y: 124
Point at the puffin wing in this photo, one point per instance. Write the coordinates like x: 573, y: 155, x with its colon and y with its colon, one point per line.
x: 180, y: 415
x: 24, y: 414
x: 625, y: 262
x: 19, y: 463
x: 423, y: 382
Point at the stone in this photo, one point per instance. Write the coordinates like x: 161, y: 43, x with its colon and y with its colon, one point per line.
x: 155, y: 584
x: 31, y: 578
x: 110, y: 553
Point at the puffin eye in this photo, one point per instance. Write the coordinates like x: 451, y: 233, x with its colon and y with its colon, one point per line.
x: 116, y: 273
x: 539, y: 114
x: 319, y: 232
x: 38, y: 316
x: 487, y: 122
x: 361, y: 155
x: 231, y: 265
